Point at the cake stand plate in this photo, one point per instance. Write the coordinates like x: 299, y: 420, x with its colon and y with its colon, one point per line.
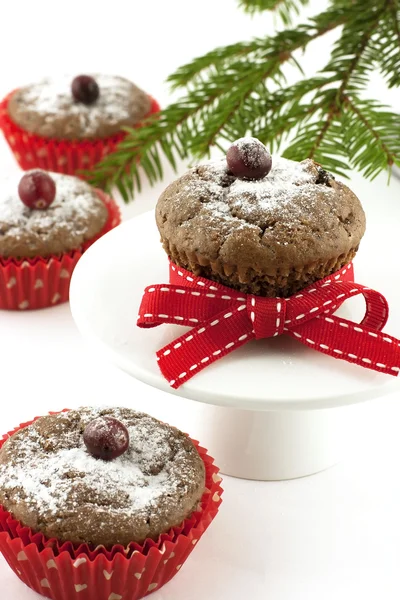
x: 273, y: 409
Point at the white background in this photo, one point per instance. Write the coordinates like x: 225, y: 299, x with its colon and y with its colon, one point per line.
x: 333, y: 535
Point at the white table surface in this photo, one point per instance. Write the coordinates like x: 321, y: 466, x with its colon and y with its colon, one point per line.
x: 333, y: 535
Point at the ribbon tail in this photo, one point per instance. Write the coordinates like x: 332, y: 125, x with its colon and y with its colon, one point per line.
x: 183, y: 358
x: 352, y: 342
x: 179, y: 305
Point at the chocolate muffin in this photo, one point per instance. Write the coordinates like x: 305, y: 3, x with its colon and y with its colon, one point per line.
x: 271, y: 235
x: 76, y: 215
x: 125, y: 478
x: 50, y: 109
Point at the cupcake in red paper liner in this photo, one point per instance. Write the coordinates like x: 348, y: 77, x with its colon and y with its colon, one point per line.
x: 68, y: 124
x: 47, y: 220
x: 102, y: 504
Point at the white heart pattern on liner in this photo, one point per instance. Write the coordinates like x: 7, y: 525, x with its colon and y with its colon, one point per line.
x: 108, y: 575
x: 79, y: 562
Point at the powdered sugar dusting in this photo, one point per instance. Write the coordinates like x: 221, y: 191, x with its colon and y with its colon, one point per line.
x: 252, y: 150
x: 286, y: 180
x: 72, y: 197
x: 47, y: 482
x: 119, y: 102
x: 54, y: 473
x: 288, y: 192
x: 74, y: 210
x: 53, y: 96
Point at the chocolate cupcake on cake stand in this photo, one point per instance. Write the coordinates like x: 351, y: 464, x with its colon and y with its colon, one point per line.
x: 259, y: 302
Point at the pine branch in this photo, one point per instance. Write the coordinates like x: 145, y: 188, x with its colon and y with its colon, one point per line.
x: 323, y: 132
x: 258, y: 50
x: 190, y: 72
x: 183, y: 123
x: 286, y: 9
x: 272, y: 116
x: 165, y: 132
x: 241, y: 90
x: 388, y: 45
x: 347, y: 59
x: 215, y: 124
x: 372, y: 136
x: 320, y: 135
x: 348, y: 53
x: 394, y: 14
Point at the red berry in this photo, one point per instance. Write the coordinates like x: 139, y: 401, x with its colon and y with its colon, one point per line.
x: 85, y: 89
x: 248, y: 158
x: 37, y: 190
x: 106, y: 438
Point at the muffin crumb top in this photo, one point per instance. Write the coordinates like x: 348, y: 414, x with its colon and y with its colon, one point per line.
x: 52, y: 483
x: 48, y: 108
x: 297, y: 205
x: 270, y: 236
x: 249, y: 200
x: 76, y: 215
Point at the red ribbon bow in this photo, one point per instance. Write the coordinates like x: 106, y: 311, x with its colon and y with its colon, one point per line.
x: 223, y: 319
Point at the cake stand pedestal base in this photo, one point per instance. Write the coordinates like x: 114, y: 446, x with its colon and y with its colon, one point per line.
x: 274, y: 445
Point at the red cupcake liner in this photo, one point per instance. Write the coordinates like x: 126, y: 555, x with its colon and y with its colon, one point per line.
x: 62, y: 571
x: 58, y: 155
x: 33, y: 283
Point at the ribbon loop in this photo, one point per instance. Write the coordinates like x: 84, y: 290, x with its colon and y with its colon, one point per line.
x: 223, y: 319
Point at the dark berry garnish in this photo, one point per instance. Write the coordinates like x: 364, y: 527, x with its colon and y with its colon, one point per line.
x: 248, y: 158
x: 37, y: 190
x: 324, y: 178
x: 106, y: 438
x: 85, y: 89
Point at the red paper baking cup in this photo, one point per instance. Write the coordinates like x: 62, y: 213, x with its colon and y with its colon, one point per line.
x: 62, y: 571
x: 58, y: 155
x: 33, y: 283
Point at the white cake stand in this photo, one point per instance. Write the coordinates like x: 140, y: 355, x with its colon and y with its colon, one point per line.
x: 273, y: 409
